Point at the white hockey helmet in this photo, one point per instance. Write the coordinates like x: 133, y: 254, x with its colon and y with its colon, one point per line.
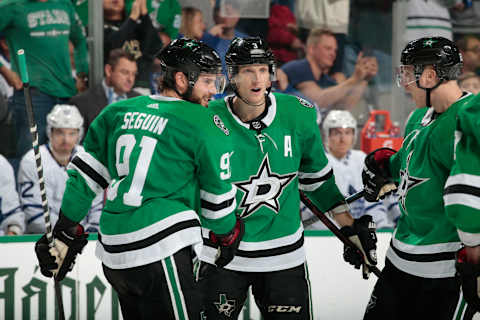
x: 65, y: 116
x: 339, y: 119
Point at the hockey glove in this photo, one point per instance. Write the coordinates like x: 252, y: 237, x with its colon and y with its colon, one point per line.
x: 362, y: 234
x: 227, y: 243
x: 469, y: 275
x: 376, y: 177
x: 60, y: 259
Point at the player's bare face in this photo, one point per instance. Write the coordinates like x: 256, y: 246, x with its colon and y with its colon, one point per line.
x: 63, y: 140
x: 340, y: 140
x: 206, y: 86
x: 252, y: 82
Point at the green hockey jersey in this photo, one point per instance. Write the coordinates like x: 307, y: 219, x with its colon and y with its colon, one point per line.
x: 162, y: 161
x: 462, y: 190
x: 425, y: 239
x: 273, y: 158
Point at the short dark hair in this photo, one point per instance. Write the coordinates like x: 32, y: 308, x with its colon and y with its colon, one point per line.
x: 116, y: 54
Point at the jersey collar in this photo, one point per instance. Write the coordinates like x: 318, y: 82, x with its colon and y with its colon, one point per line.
x: 268, y: 117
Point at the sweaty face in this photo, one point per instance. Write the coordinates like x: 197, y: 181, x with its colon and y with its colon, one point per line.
x: 122, y: 76
x: 63, y: 140
x: 340, y: 140
x: 252, y: 82
x: 325, y: 51
x: 206, y: 86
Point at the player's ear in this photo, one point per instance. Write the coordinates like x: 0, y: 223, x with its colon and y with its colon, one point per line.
x: 181, y: 82
x: 428, y: 78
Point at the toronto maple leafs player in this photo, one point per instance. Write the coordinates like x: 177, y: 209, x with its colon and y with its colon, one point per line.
x: 9, y: 203
x: 64, y: 131
x: 339, y: 131
x: 278, y: 150
x: 418, y: 280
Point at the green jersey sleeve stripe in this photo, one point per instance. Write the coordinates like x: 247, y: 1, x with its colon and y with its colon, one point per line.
x: 469, y: 239
x: 96, y: 165
x: 92, y: 184
x: 84, y: 168
x: 463, y: 179
x: 219, y: 211
x: 312, y: 184
x: 318, y: 174
x: 215, y: 198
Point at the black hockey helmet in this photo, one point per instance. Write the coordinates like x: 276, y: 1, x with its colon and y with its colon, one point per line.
x: 192, y: 57
x: 439, y: 52
x: 244, y: 51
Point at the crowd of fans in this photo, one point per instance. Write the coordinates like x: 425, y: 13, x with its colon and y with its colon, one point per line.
x: 318, y: 59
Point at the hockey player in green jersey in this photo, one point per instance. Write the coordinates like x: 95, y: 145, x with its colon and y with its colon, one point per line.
x: 462, y: 199
x: 418, y: 280
x: 164, y: 161
x: 278, y: 150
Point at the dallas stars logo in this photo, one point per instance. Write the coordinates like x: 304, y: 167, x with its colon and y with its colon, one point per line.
x: 407, y: 182
x: 225, y: 305
x: 263, y: 189
x: 429, y: 42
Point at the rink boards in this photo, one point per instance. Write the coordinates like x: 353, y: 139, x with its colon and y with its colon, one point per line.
x: 338, y: 290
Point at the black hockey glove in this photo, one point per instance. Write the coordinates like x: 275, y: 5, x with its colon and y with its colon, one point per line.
x: 362, y: 234
x: 468, y: 274
x: 376, y: 176
x: 69, y: 241
x: 227, y: 243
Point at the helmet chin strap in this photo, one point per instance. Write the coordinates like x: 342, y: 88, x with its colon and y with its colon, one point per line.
x: 428, y: 91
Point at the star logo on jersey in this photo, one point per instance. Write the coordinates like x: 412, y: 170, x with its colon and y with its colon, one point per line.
x: 225, y: 305
x: 407, y: 182
x: 429, y: 43
x: 263, y: 189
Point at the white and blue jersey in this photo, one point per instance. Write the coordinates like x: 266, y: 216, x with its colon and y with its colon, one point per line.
x: 348, y: 177
x: 10, y: 211
x: 55, y: 176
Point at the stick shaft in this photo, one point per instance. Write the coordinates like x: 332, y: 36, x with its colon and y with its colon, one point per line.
x: 38, y: 163
x: 332, y: 227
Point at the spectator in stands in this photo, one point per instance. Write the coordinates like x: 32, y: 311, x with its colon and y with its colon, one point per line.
x: 310, y: 76
x: 469, y: 82
x: 205, y: 6
x: 166, y: 18
x: 226, y: 20
x: 9, y: 201
x: 469, y: 46
x: 282, y: 34
x: 134, y: 34
x: 9, y: 80
x: 42, y: 28
x: 120, y: 72
x: 64, y: 130
x: 192, y: 25
x: 340, y: 131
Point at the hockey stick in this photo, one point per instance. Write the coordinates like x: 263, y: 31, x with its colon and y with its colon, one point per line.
x: 330, y: 225
x: 38, y: 161
x: 354, y: 197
